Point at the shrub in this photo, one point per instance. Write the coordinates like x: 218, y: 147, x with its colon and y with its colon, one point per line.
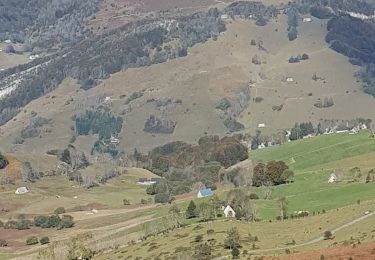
x: 327, y: 235
x: 223, y: 104
x: 3, y: 161
x: 22, y: 224
x: 11, y: 224
x: 305, y: 56
x: 87, y: 84
x: 253, y: 196
x: 9, y: 49
x: 59, y: 210
x: 161, y: 198
x: 32, y: 240
x: 66, y: 222
x: 198, y: 238
x: 40, y: 220
x: 44, y: 240
x: 258, y: 99
x: 126, y: 202
x: 3, y: 243
x: 235, y: 252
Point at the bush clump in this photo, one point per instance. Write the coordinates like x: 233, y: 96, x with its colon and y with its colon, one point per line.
x: 44, y: 240
x: 32, y: 240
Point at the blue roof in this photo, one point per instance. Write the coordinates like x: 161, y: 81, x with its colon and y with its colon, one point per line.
x: 206, y: 192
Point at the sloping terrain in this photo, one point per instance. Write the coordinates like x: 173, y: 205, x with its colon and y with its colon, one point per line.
x: 201, y: 79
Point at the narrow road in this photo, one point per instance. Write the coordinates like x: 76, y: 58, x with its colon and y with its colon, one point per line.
x: 313, y: 241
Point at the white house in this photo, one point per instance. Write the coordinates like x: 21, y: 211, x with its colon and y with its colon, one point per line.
x: 332, y: 178
x: 33, y: 57
x: 307, y: 20
x: 229, y: 212
x: 289, y: 79
x: 262, y: 125
x: 261, y: 146
x: 114, y: 140
x: 224, y: 17
x: 22, y: 190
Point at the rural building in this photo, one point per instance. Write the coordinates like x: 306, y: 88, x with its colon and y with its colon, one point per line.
x: 204, y: 193
x: 229, y: 212
x: 289, y: 79
x: 33, y: 57
x: 146, y: 181
x: 224, y: 17
x: 261, y: 146
x: 114, y: 140
x: 22, y: 190
x: 155, y: 180
x: 332, y: 178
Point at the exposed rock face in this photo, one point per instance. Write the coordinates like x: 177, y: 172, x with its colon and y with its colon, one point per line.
x: 159, y: 125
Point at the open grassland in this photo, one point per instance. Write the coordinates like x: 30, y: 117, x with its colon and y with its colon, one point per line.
x: 51, y: 192
x: 313, y: 160
x: 271, y: 235
x: 301, y: 155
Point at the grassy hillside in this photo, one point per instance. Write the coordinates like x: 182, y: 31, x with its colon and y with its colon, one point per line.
x: 181, y: 242
x: 313, y: 152
x: 313, y: 160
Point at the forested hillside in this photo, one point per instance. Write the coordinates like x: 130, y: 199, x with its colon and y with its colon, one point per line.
x: 134, y: 45
x: 44, y: 23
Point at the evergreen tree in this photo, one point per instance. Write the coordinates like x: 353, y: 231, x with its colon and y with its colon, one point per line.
x: 233, y: 238
x: 235, y: 252
x: 191, y: 211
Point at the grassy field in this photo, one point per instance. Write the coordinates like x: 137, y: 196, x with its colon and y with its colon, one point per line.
x: 271, y: 235
x: 315, y: 152
x: 313, y: 160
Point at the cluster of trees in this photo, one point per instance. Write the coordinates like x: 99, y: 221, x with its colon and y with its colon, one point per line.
x: 53, y: 221
x: 355, y: 39
x: 3, y: 161
x: 33, y: 129
x: 226, y: 151
x: 301, y: 130
x: 326, y: 102
x: 298, y: 58
x: 158, y: 125
x: 233, y: 125
x: 45, y: 23
x: 272, y: 173
x: 206, y: 210
x: 367, y: 75
x: 135, y: 95
x: 98, y: 122
x: 73, y: 157
x: 160, y: 190
x: 254, y: 10
x: 293, y: 20
x: 102, y: 147
x: 34, y: 240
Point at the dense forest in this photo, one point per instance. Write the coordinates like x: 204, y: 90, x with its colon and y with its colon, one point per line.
x: 226, y: 151
x: 45, y: 23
